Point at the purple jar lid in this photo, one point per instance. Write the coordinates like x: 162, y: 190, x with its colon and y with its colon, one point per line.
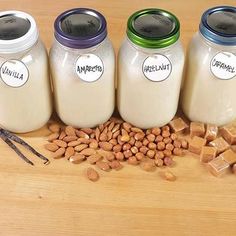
x: 80, y: 28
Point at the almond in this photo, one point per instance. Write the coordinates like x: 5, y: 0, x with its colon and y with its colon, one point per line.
x: 115, y: 128
x: 58, y: 153
x: 73, y: 143
x: 69, y: 152
x: 92, y: 174
x: 54, y: 128
x: 53, y: 136
x: 51, y: 147
x: 103, y: 165
x: 81, y: 147
x: 106, y: 154
x: 94, y: 158
x: 83, y: 140
x: 87, y: 130
x: 93, y: 144
x: 97, y: 134
x: 82, y: 134
x: 116, y: 134
x: 136, y: 130
x: 127, y: 126
x: 76, y: 159
x: 70, y: 138
x: 105, y: 146
x: 111, y: 126
x: 88, y: 152
x: 60, y: 143
x: 70, y: 131
x: 116, y: 165
x: 62, y: 135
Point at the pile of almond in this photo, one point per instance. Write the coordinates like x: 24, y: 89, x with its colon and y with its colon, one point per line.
x: 114, y: 142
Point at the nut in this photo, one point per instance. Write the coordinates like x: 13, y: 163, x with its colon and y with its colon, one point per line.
x: 105, y: 146
x: 102, y: 165
x: 81, y: 147
x: 147, y: 165
x: 77, y: 159
x: 58, y: 153
x: 94, y: 158
x: 70, y: 131
x: 51, y: 147
x: 92, y: 174
x: 60, y: 143
x: 88, y: 152
x: 169, y: 176
x: 132, y: 160
x: 53, y: 136
x: 54, y: 128
x: 116, y: 165
x: 69, y: 152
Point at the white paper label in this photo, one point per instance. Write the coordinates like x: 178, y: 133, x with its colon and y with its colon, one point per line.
x: 157, y: 68
x: 223, y: 65
x: 89, y: 67
x: 14, y: 73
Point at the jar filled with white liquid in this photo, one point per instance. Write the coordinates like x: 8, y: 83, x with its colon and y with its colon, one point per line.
x: 25, y: 93
x: 82, y: 63
x: 151, y: 61
x: 209, y: 93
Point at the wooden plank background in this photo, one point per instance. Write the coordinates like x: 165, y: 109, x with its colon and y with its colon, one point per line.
x: 58, y: 200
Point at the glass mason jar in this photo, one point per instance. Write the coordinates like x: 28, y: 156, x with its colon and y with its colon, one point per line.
x: 25, y: 93
x: 209, y: 92
x: 151, y: 61
x: 82, y: 63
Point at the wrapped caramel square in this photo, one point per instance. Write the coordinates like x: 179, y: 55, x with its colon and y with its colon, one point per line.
x: 220, y: 144
x: 207, y: 154
x: 218, y: 166
x: 229, y: 133
x: 196, y: 144
x: 211, y: 132
x: 178, y: 125
x: 229, y: 156
x: 197, y: 129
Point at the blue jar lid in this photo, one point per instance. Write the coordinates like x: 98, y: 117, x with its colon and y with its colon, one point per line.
x: 218, y: 25
x: 80, y: 28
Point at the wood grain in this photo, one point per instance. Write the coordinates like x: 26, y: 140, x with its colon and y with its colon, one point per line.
x: 58, y: 199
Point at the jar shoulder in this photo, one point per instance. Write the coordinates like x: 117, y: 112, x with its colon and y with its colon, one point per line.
x: 200, y: 45
x: 60, y: 52
x: 129, y: 51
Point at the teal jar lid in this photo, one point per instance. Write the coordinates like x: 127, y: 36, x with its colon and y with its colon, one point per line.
x: 153, y: 28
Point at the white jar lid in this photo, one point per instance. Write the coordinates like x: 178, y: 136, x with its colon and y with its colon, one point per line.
x: 18, y: 31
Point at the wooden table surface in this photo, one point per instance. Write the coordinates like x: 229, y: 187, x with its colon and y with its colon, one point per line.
x: 58, y: 200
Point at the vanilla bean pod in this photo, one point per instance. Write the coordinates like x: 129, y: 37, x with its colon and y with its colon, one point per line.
x: 26, y: 145
x: 13, y: 146
x: 7, y: 136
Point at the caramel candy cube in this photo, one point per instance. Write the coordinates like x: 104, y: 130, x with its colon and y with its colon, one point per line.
x: 218, y: 166
x: 196, y: 144
x: 229, y: 133
x: 197, y: 129
x: 207, y: 154
x: 178, y: 125
x: 211, y: 132
x: 229, y: 156
x: 220, y: 144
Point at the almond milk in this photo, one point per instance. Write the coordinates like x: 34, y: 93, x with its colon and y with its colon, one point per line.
x: 25, y: 95
x: 209, y: 92
x: 151, y: 61
x: 82, y: 66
